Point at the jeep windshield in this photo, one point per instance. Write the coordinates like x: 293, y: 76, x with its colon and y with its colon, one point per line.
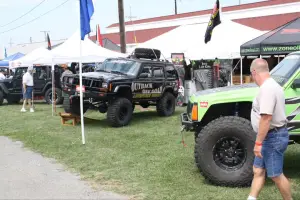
x: 284, y: 70
x: 119, y: 66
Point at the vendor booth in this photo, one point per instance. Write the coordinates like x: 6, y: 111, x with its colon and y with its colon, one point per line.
x: 280, y: 41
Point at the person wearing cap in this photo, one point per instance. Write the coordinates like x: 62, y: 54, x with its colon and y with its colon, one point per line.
x: 66, y: 71
x: 28, y: 89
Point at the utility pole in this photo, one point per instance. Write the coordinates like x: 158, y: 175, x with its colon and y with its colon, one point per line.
x: 30, y: 39
x: 239, y: 2
x: 10, y: 42
x: 122, y: 26
x: 130, y: 17
x: 45, y: 32
x: 175, y: 1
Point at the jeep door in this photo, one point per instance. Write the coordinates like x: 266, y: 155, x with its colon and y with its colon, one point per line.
x: 16, y: 81
x: 39, y: 78
x: 143, y: 84
x: 158, y: 80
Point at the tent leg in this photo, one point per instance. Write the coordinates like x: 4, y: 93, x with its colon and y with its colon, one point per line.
x: 278, y: 59
x: 52, y: 88
x: 241, y: 70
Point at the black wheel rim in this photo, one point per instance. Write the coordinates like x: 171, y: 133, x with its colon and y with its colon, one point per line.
x: 123, y: 113
x: 50, y: 97
x: 229, y: 153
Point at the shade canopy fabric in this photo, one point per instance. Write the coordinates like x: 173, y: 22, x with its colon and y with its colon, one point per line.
x: 280, y: 41
x: 31, y: 57
x: 5, y: 62
x: 189, y: 39
x: 76, y: 50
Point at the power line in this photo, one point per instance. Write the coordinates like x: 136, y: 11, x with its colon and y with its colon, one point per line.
x: 35, y: 18
x: 24, y: 14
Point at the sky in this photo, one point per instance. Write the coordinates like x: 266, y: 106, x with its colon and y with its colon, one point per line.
x: 64, y: 20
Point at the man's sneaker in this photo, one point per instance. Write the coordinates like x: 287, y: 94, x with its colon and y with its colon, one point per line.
x: 31, y: 110
x: 23, y: 110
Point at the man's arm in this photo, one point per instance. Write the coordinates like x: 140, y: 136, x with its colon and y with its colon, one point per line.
x: 264, y: 126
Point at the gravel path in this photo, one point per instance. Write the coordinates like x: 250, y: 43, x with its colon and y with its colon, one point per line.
x: 27, y: 175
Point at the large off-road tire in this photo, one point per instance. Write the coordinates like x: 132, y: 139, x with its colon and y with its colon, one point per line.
x: 58, y: 94
x: 119, y: 112
x: 74, y: 107
x: 1, y: 97
x: 166, y: 105
x: 224, y: 152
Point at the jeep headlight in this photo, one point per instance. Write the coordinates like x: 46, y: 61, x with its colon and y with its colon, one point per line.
x: 104, y: 85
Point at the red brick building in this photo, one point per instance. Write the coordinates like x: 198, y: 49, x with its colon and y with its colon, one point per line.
x: 264, y: 16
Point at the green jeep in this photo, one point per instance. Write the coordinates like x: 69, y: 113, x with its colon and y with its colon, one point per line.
x: 220, y: 118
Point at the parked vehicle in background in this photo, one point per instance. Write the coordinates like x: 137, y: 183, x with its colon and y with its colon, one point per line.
x: 220, y: 118
x: 11, y: 88
x: 119, y: 84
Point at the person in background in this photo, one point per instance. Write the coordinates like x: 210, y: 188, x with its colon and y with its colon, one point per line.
x: 269, y: 121
x: 2, y: 76
x: 28, y: 89
x: 66, y: 71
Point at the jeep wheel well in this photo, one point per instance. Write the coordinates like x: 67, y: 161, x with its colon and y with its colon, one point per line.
x: 242, y: 109
x: 125, y: 92
x: 169, y: 90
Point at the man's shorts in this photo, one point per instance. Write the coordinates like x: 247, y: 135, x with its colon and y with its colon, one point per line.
x: 28, y: 93
x: 274, y: 146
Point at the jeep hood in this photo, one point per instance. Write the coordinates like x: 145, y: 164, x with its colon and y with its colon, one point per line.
x: 244, y: 92
x: 104, y: 75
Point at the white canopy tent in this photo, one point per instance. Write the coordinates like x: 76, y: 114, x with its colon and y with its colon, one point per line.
x: 70, y: 51
x: 189, y: 39
x: 30, y: 58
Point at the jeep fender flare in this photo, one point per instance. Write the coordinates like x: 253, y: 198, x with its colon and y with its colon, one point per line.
x: 3, y: 88
x: 46, y: 87
x: 168, y: 88
x: 121, y: 87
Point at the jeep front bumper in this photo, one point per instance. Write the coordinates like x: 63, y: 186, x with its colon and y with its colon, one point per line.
x: 187, y: 124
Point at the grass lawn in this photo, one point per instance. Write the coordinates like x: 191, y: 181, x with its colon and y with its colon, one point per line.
x: 145, y: 159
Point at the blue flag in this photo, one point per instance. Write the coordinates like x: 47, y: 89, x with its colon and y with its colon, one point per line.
x: 5, y: 53
x: 86, y: 12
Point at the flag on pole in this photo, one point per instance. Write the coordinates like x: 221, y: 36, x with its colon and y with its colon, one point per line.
x: 86, y: 12
x: 49, y: 42
x: 213, y: 22
x: 5, y: 53
x: 99, y: 37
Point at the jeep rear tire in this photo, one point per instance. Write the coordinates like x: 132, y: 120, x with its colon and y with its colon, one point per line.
x: 166, y: 105
x: 58, y: 93
x: 224, y: 152
x: 119, y: 112
x: 74, y: 107
x: 13, y: 99
x: 1, y: 98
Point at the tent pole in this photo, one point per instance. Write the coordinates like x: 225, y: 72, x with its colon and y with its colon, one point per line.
x: 52, y: 71
x: 278, y: 59
x: 241, y: 70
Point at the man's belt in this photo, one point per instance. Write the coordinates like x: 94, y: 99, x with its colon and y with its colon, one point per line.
x: 277, y: 128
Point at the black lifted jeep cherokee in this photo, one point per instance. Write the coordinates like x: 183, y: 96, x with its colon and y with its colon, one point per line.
x: 121, y: 83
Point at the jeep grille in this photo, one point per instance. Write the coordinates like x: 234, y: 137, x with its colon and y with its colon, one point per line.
x: 89, y: 83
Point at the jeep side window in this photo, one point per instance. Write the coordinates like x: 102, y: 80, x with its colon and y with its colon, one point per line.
x: 146, y: 70
x: 171, y: 71
x: 20, y: 72
x: 40, y: 73
x: 158, y: 72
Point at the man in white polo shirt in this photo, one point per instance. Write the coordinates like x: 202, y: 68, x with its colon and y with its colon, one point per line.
x: 268, y: 118
x: 28, y: 89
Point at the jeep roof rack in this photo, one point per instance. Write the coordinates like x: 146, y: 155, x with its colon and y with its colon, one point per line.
x: 147, y: 53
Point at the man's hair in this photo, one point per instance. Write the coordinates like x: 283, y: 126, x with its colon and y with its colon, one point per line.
x: 259, y: 65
